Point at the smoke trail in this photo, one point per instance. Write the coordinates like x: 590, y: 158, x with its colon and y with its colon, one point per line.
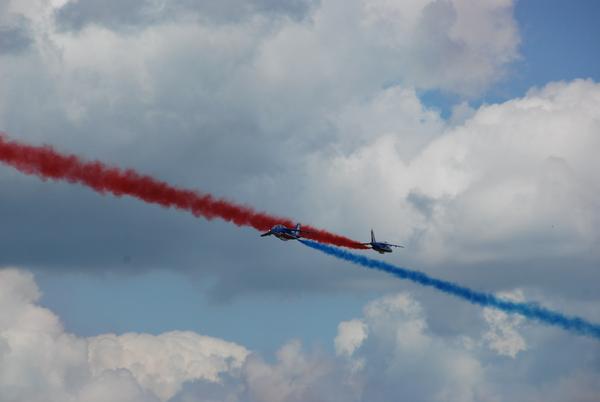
x: 47, y: 163
x: 529, y: 310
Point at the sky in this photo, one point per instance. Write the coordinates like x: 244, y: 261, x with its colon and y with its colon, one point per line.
x: 465, y: 130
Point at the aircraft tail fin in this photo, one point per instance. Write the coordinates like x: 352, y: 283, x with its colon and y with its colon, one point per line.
x: 372, y: 236
x: 297, y: 229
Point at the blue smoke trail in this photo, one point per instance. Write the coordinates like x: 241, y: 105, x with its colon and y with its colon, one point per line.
x: 529, y: 310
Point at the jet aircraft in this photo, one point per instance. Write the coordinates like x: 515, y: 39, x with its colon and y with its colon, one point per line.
x: 284, y: 233
x: 380, y: 247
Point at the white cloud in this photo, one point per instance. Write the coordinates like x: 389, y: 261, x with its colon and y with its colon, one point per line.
x: 389, y: 350
x: 502, y: 335
x: 39, y: 361
x: 458, y: 45
x: 402, y: 356
x: 117, y: 385
x: 512, y: 175
x: 351, y: 47
x: 296, y: 376
x: 296, y: 70
x: 351, y: 335
x: 176, y: 357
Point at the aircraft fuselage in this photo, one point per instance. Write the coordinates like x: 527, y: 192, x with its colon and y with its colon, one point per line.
x: 284, y: 233
x: 381, y: 248
x: 285, y: 236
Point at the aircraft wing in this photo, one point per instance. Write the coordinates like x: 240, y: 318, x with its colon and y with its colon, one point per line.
x: 395, y: 245
x: 266, y: 234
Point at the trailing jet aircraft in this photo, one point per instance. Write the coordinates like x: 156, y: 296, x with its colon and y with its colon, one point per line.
x: 284, y: 233
x: 380, y: 247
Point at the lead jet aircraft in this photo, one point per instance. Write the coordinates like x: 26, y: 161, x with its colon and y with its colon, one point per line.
x: 284, y: 233
x: 380, y: 247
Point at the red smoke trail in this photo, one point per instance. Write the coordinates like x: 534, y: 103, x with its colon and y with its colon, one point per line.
x: 45, y: 162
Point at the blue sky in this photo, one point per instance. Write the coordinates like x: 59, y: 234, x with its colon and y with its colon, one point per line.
x: 465, y: 130
x: 161, y: 301
x: 557, y: 43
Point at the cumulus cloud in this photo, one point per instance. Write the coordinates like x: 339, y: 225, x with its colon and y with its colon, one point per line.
x: 400, y: 356
x: 295, y: 376
x: 274, y: 74
x: 40, y: 361
x: 452, y: 45
x: 502, y: 335
x: 350, y: 336
x: 390, y: 350
x: 176, y: 357
x: 458, y: 198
